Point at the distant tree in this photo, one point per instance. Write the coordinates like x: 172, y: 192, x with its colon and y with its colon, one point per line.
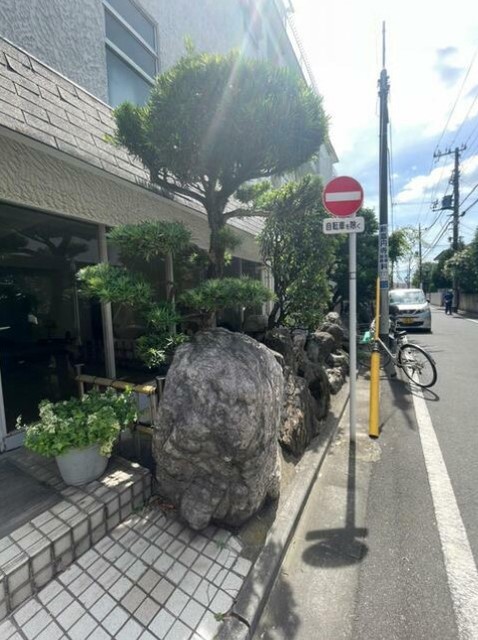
x: 440, y: 280
x: 463, y: 267
x: 216, y: 122
x: 298, y: 252
x: 428, y: 269
x: 398, y: 248
x: 367, y: 264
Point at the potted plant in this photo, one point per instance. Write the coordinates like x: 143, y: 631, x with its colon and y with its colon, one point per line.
x: 80, y: 433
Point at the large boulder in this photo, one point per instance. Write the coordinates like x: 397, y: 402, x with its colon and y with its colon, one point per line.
x: 300, y: 422
x: 319, y: 346
x: 336, y: 378
x: 216, y: 438
x: 280, y: 340
x: 336, y: 331
x: 318, y: 383
x: 333, y: 318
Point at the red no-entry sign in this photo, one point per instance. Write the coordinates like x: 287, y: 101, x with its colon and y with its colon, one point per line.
x: 342, y: 196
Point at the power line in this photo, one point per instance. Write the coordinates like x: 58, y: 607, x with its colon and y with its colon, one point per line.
x: 457, y: 98
x: 444, y: 131
x: 470, y: 107
x: 466, y: 198
x: 469, y: 207
x: 437, y: 239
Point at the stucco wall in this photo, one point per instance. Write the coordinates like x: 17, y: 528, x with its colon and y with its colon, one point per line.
x: 212, y: 26
x: 32, y: 177
x: 68, y: 35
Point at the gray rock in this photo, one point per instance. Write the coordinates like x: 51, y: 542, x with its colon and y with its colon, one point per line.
x: 317, y: 381
x: 336, y: 379
x: 319, y: 346
x: 216, y: 437
x: 333, y: 318
x: 280, y: 341
x: 255, y: 324
x: 300, y: 421
x: 340, y: 360
x: 336, y: 331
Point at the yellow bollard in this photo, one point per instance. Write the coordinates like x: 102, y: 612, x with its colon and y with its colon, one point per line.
x: 373, y: 426
x: 374, y: 418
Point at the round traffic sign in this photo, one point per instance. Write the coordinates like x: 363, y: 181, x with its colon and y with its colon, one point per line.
x: 342, y: 196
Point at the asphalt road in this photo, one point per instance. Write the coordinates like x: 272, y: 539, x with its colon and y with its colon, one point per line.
x: 388, y: 542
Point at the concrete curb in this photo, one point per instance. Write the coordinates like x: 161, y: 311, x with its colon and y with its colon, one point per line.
x: 245, y: 614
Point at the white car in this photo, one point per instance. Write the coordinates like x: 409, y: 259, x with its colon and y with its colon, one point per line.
x: 413, y: 308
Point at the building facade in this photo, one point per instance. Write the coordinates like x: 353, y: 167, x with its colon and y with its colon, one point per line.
x: 63, y: 65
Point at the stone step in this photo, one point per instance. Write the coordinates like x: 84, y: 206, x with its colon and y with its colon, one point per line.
x: 34, y: 553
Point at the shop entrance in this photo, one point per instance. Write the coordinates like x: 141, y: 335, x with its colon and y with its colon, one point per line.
x: 46, y: 326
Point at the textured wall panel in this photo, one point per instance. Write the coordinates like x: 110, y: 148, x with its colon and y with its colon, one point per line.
x: 34, y: 178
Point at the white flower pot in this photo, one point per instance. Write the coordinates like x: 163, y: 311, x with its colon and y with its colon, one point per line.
x: 79, y: 466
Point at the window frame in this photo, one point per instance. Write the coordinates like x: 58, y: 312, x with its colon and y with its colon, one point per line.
x: 120, y: 53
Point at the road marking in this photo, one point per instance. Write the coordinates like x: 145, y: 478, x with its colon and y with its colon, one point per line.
x: 460, y: 566
x: 470, y: 320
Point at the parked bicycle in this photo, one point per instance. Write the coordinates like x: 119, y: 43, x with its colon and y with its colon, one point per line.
x: 415, y: 361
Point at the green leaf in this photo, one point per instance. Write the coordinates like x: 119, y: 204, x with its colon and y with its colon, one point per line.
x: 96, y: 418
x: 114, y: 284
x: 150, y: 239
x: 217, y: 294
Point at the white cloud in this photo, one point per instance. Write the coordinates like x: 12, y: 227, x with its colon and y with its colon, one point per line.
x: 344, y: 42
x: 423, y: 186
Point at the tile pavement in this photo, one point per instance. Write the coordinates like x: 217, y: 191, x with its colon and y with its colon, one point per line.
x: 151, y: 577
x: 34, y: 553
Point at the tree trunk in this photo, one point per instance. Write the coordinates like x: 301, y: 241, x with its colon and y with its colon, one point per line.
x: 271, y: 323
x: 217, y: 251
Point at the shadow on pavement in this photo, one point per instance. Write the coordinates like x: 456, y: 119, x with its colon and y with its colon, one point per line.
x: 342, y: 546
x: 399, y: 390
x: 286, y: 622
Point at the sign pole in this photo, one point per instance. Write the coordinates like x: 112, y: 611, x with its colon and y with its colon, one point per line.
x: 342, y: 198
x: 353, y: 331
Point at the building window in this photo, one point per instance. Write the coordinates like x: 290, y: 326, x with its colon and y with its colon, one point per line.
x: 47, y: 327
x: 131, y: 57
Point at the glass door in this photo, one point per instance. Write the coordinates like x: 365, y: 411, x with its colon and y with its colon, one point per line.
x: 47, y: 327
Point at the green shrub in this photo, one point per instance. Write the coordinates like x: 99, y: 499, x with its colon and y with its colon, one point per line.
x: 150, y: 239
x: 218, y: 294
x: 96, y: 418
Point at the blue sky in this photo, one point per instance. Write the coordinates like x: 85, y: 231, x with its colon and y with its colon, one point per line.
x: 432, y: 63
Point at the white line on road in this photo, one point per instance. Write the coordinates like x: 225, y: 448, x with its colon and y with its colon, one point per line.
x: 459, y: 563
x: 470, y: 320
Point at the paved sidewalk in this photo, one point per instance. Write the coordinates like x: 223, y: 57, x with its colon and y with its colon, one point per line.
x: 151, y: 577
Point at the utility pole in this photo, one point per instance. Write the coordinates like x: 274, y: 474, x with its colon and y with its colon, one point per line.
x: 383, y: 200
x: 420, y: 274
x: 455, y: 180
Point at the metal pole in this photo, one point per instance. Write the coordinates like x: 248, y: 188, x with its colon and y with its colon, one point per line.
x: 420, y: 271
x: 108, y: 339
x: 353, y: 330
x: 383, y: 200
x: 456, y: 209
x: 373, y: 425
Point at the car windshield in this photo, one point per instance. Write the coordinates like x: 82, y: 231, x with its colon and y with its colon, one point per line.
x: 407, y: 297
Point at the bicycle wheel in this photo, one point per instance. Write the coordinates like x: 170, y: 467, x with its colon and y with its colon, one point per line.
x: 418, y: 365
x: 364, y: 353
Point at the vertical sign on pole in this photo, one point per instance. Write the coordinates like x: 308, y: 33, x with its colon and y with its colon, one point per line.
x: 343, y: 197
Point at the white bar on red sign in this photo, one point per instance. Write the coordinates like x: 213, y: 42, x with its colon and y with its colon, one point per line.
x: 343, y: 196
